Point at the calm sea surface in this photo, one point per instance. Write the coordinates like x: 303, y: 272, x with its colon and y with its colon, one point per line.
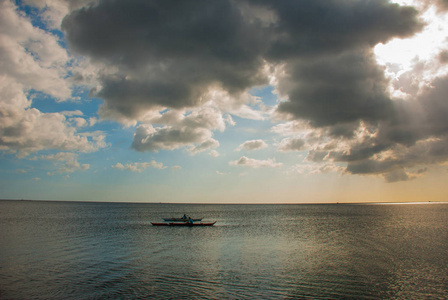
x: 70, y: 250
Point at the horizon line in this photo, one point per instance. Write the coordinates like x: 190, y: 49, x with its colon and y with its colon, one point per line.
x: 232, y: 203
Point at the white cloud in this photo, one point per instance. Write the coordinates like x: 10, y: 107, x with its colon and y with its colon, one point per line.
x: 140, y: 78
x: 139, y: 167
x: 208, y: 144
x: 291, y: 128
x: 252, y: 145
x: 52, y: 11
x: 291, y: 144
x: 148, y: 138
x: 92, y: 121
x: 315, y: 168
x: 65, y: 162
x: 228, y: 119
x: 30, y: 55
x: 31, y: 59
x: 72, y: 113
x: 213, y: 153
x: 243, y: 105
x: 328, y: 168
x: 26, y: 129
x: 79, y: 122
x: 254, y: 163
x: 193, y: 130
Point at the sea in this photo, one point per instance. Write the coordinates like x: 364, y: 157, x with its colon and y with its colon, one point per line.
x: 88, y: 250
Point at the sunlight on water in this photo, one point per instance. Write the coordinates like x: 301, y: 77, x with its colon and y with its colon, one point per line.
x: 100, y: 250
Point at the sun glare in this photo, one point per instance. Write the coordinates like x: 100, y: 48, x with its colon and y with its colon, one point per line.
x: 401, y: 54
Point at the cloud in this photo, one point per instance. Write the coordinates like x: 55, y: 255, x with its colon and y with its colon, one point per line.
x: 379, y: 128
x: 315, y: 168
x: 442, y: 5
x: 72, y: 113
x: 182, y: 56
x: 397, y: 159
x: 31, y: 56
x: 291, y: 128
x: 211, y: 143
x: 177, y: 71
x: 139, y: 167
x: 252, y: 145
x: 53, y: 11
x: 342, y: 91
x: 417, y: 137
x: 166, y: 54
x: 148, y: 138
x: 176, y: 168
x: 415, y: 134
x: 26, y: 129
x: 291, y: 144
x: 193, y: 130
x: 33, y: 61
x: 65, y: 162
x: 213, y: 153
x: 254, y: 163
x: 336, y: 89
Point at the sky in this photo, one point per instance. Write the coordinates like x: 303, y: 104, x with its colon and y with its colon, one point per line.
x: 287, y: 101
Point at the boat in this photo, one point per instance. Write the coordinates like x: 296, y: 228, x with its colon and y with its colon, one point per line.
x: 180, y: 220
x: 188, y: 224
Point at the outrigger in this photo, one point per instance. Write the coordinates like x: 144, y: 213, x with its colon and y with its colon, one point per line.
x: 188, y: 224
x: 183, y: 221
x: 180, y: 219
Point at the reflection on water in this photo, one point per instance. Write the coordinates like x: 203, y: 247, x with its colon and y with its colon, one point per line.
x: 99, y: 250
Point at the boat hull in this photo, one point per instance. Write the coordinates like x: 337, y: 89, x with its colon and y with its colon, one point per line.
x: 180, y: 220
x: 186, y: 224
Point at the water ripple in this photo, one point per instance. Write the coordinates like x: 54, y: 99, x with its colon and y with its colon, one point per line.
x: 93, y: 251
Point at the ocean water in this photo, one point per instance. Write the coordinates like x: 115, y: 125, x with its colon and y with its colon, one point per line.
x: 75, y: 250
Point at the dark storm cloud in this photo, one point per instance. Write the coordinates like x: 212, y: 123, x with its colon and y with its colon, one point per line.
x: 173, y: 50
x: 133, y: 96
x: 443, y: 4
x: 443, y: 56
x: 166, y: 138
x: 418, y: 119
x: 169, y: 52
x: 331, y: 74
x: 139, y: 31
x: 332, y: 26
x: 435, y: 104
x: 416, y: 136
x: 337, y: 89
x: 404, y: 159
x: 346, y: 130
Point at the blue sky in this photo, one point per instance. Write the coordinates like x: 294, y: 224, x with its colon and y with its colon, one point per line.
x: 224, y: 102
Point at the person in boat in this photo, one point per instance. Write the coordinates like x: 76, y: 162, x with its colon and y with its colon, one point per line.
x: 184, y: 217
x: 190, y: 221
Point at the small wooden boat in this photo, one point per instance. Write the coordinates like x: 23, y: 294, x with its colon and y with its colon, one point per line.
x: 188, y: 224
x: 180, y: 220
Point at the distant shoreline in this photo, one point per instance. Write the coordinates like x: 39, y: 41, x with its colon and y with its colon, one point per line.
x: 209, y: 203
